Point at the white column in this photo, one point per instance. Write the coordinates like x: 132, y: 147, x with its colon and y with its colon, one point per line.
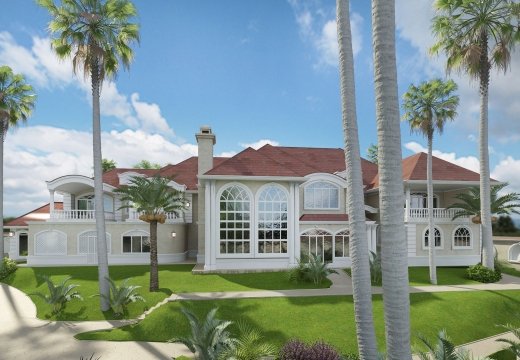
x: 407, y: 202
x: 296, y: 217
x: 51, y: 202
x: 291, y: 235
x: 207, y: 227
x: 213, y: 226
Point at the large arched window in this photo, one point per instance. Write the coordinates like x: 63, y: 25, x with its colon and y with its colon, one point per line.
x: 272, y: 221
x: 438, y: 238
x: 87, y: 242
x: 317, y: 242
x: 321, y: 195
x: 50, y: 242
x: 462, y: 238
x: 235, y: 221
x: 341, y: 243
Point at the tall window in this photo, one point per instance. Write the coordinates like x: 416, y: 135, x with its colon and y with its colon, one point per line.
x: 136, y: 242
x: 272, y: 221
x: 420, y: 201
x: 235, y: 221
x: 88, y: 202
x: 321, y: 195
x: 341, y: 243
x: 317, y: 242
x: 462, y: 238
x: 438, y: 238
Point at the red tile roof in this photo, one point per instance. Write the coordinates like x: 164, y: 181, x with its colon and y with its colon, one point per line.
x: 324, y: 217
x: 40, y: 214
x: 185, y: 172
x: 111, y: 177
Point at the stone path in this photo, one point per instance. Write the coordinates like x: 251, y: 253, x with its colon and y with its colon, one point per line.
x: 23, y: 336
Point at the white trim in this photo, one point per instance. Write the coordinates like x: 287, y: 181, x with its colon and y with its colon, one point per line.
x: 424, y: 234
x: 346, y: 229
x: 470, y: 247
x: 80, y: 179
x: 177, y: 186
x: 326, y: 181
x: 332, y: 178
x: 252, y: 178
x: 133, y: 259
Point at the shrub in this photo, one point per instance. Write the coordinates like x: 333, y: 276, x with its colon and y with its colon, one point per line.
x: 122, y: 296
x: 250, y: 345
x: 483, y: 274
x: 297, y: 350
x: 314, y: 270
x: 7, y: 267
x: 59, y: 295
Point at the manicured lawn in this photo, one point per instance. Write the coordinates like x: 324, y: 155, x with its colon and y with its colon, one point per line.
x: 503, y: 355
x: 173, y: 278
x: 466, y: 316
x: 506, y: 269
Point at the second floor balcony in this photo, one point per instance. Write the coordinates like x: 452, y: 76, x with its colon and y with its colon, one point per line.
x: 439, y: 214
x: 78, y: 215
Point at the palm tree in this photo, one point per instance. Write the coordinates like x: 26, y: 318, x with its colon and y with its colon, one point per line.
x: 476, y: 36
x: 97, y: 34
x: 16, y: 104
x: 394, y: 259
x: 444, y: 349
x: 469, y: 204
x: 427, y: 109
x: 152, y: 198
x: 359, y: 255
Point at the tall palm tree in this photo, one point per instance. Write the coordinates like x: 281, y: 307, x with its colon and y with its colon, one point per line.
x: 97, y: 34
x: 394, y: 259
x: 477, y: 36
x: 152, y: 198
x: 355, y: 194
x: 16, y: 104
x: 427, y: 109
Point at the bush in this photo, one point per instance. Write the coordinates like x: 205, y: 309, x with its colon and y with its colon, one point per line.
x: 297, y: 350
x: 314, y: 270
x: 121, y: 296
x: 7, y: 267
x: 483, y: 274
x: 59, y: 295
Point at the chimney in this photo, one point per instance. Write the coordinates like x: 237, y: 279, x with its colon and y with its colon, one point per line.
x: 205, y: 141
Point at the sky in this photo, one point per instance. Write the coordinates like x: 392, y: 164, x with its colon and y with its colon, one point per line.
x: 257, y: 72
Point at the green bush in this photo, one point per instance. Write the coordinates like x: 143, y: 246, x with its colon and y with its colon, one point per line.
x: 483, y: 274
x: 313, y: 270
x: 7, y: 267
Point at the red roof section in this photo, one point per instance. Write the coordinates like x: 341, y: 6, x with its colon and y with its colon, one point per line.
x: 111, y: 177
x: 40, y: 214
x: 324, y: 217
x: 414, y: 168
x: 185, y: 172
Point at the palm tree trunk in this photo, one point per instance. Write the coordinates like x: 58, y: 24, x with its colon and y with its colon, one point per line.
x: 394, y: 259
x: 3, y: 133
x: 103, y: 274
x: 154, y: 271
x: 431, y: 225
x: 485, y: 187
x: 355, y: 197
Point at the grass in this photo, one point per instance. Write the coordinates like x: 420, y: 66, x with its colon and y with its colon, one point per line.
x: 173, y: 279
x: 419, y: 276
x: 332, y: 318
x: 503, y: 355
x: 506, y: 269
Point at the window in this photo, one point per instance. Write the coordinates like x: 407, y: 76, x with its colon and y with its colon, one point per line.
x: 438, y: 238
x: 341, y: 243
x: 462, y: 237
x: 50, y: 242
x: 87, y: 242
x: 318, y: 242
x: 88, y: 202
x: 420, y: 201
x: 235, y: 221
x: 272, y: 221
x: 321, y: 195
x: 136, y: 242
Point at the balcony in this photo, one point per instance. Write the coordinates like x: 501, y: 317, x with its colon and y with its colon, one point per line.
x: 171, y: 218
x: 439, y: 214
x: 77, y: 215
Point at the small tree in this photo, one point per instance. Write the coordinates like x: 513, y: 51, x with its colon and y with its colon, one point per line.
x: 145, y: 164
x: 152, y: 198
x: 107, y: 164
x: 372, y: 153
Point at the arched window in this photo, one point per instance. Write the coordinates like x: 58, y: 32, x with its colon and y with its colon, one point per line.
x: 317, y: 242
x: 438, y: 238
x: 272, y: 221
x: 87, y: 242
x: 321, y: 195
x: 341, y: 243
x: 235, y: 221
x: 462, y: 237
x: 50, y: 242
x: 136, y: 241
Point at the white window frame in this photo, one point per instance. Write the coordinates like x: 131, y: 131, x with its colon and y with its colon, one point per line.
x: 470, y: 246
x: 313, y: 183
x: 91, y: 196
x: 83, y: 233
x: 423, y: 238
x: 341, y: 233
x: 252, y: 227
x: 424, y: 195
x: 64, y: 236
x: 134, y: 232
x: 256, y: 239
x: 327, y: 233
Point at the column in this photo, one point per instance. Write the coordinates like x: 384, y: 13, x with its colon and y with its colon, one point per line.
x: 51, y: 202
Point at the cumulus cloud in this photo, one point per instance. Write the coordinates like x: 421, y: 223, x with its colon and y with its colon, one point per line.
x: 317, y: 27
x: 258, y: 144
x: 508, y: 170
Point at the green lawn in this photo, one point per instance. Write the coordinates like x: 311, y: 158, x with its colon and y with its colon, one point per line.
x: 503, y: 355
x: 466, y: 316
x: 173, y: 278
x: 507, y: 269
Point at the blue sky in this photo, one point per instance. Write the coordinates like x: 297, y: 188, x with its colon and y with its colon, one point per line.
x: 256, y: 71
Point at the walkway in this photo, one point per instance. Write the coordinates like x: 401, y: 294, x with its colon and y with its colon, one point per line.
x: 23, y: 336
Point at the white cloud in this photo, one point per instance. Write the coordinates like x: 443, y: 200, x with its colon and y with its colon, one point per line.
x: 150, y: 116
x: 508, y: 170
x: 319, y: 29
x: 258, y: 144
x: 468, y: 162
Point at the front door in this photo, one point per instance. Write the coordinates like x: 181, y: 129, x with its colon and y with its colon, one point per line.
x: 87, y: 245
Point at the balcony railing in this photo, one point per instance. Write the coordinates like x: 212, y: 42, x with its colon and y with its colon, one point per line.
x: 170, y: 217
x: 72, y: 215
x: 438, y: 214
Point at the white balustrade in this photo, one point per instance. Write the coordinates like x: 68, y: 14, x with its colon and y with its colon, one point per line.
x: 77, y: 215
x: 170, y: 217
x: 438, y: 213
